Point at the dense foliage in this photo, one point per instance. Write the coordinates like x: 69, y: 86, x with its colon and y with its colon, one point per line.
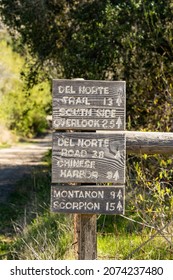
x: 129, y: 40
x: 22, y: 109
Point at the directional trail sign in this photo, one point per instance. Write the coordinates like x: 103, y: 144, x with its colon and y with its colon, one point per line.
x: 83, y: 157
x: 88, y: 200
x: 88, y: 166
x: 88, y: 105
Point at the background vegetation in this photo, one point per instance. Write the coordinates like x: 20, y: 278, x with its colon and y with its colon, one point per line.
x: 23, y: 109
x: 112, y: 40
x: 127, y: 40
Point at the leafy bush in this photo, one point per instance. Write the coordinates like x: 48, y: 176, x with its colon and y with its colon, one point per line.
x: 149, y: 189
x: 25, y: 111
x: 22, y: 109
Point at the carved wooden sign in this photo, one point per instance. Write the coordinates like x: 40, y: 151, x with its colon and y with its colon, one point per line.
x: 83, y: 157
x: 88, y: 199
x: 88, y: 105
x: 80, y: 159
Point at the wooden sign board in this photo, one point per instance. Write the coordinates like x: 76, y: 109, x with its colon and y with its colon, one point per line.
x: 88, y: 105
x: 88, y: 199
x: 88, y: 158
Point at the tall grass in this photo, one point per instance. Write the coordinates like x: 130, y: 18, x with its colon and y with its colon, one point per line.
x: 48, y: 237
x: 133, y: 246
x: 35, y: 232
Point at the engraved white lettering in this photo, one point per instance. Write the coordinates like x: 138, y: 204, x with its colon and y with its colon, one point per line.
x: 85, y: 143
x: 78, y: 194
x: 73, y: 153
x: 106, y: 113
x: 66, y: 142
x: 69, y: 100
x: 66, y: 89
x: 76, y: 163
x: 111, y: 175
x: 93, y: 90
x: 85, y: 123
x: 77, y: 123
x: 79, y: 174
x: 76, y: 205
x: 72, y: 112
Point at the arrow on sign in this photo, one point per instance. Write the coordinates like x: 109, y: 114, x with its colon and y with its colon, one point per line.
x: 119, y: 195
x: 119, y: 206
x: 119, y: 122
x: 119, y: 100
x: 118, y: 156
x: 116, y: 176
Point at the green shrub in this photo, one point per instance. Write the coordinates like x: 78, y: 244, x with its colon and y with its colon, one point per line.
x: 23, y: 109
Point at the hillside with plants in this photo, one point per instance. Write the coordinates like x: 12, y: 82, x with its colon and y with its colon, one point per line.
x: 23, y: 109
x: 99, y: 40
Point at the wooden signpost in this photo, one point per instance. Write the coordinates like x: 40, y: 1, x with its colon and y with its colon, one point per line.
x: 82, y: 160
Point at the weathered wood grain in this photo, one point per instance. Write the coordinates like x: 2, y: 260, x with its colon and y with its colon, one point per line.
x: 88, y: 158
x: 88, y: 105
x: 139, y: 142
x: 87, y: 242
x: 87, y: 199
x: 149, y: 142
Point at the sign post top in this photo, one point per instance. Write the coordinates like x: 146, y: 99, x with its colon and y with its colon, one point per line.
x: 87, y: 82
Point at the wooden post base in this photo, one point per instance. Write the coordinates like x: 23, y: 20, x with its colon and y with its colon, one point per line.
x: 85, y: 236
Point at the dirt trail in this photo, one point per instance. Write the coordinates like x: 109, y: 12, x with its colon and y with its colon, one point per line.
x: 19, y: 160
